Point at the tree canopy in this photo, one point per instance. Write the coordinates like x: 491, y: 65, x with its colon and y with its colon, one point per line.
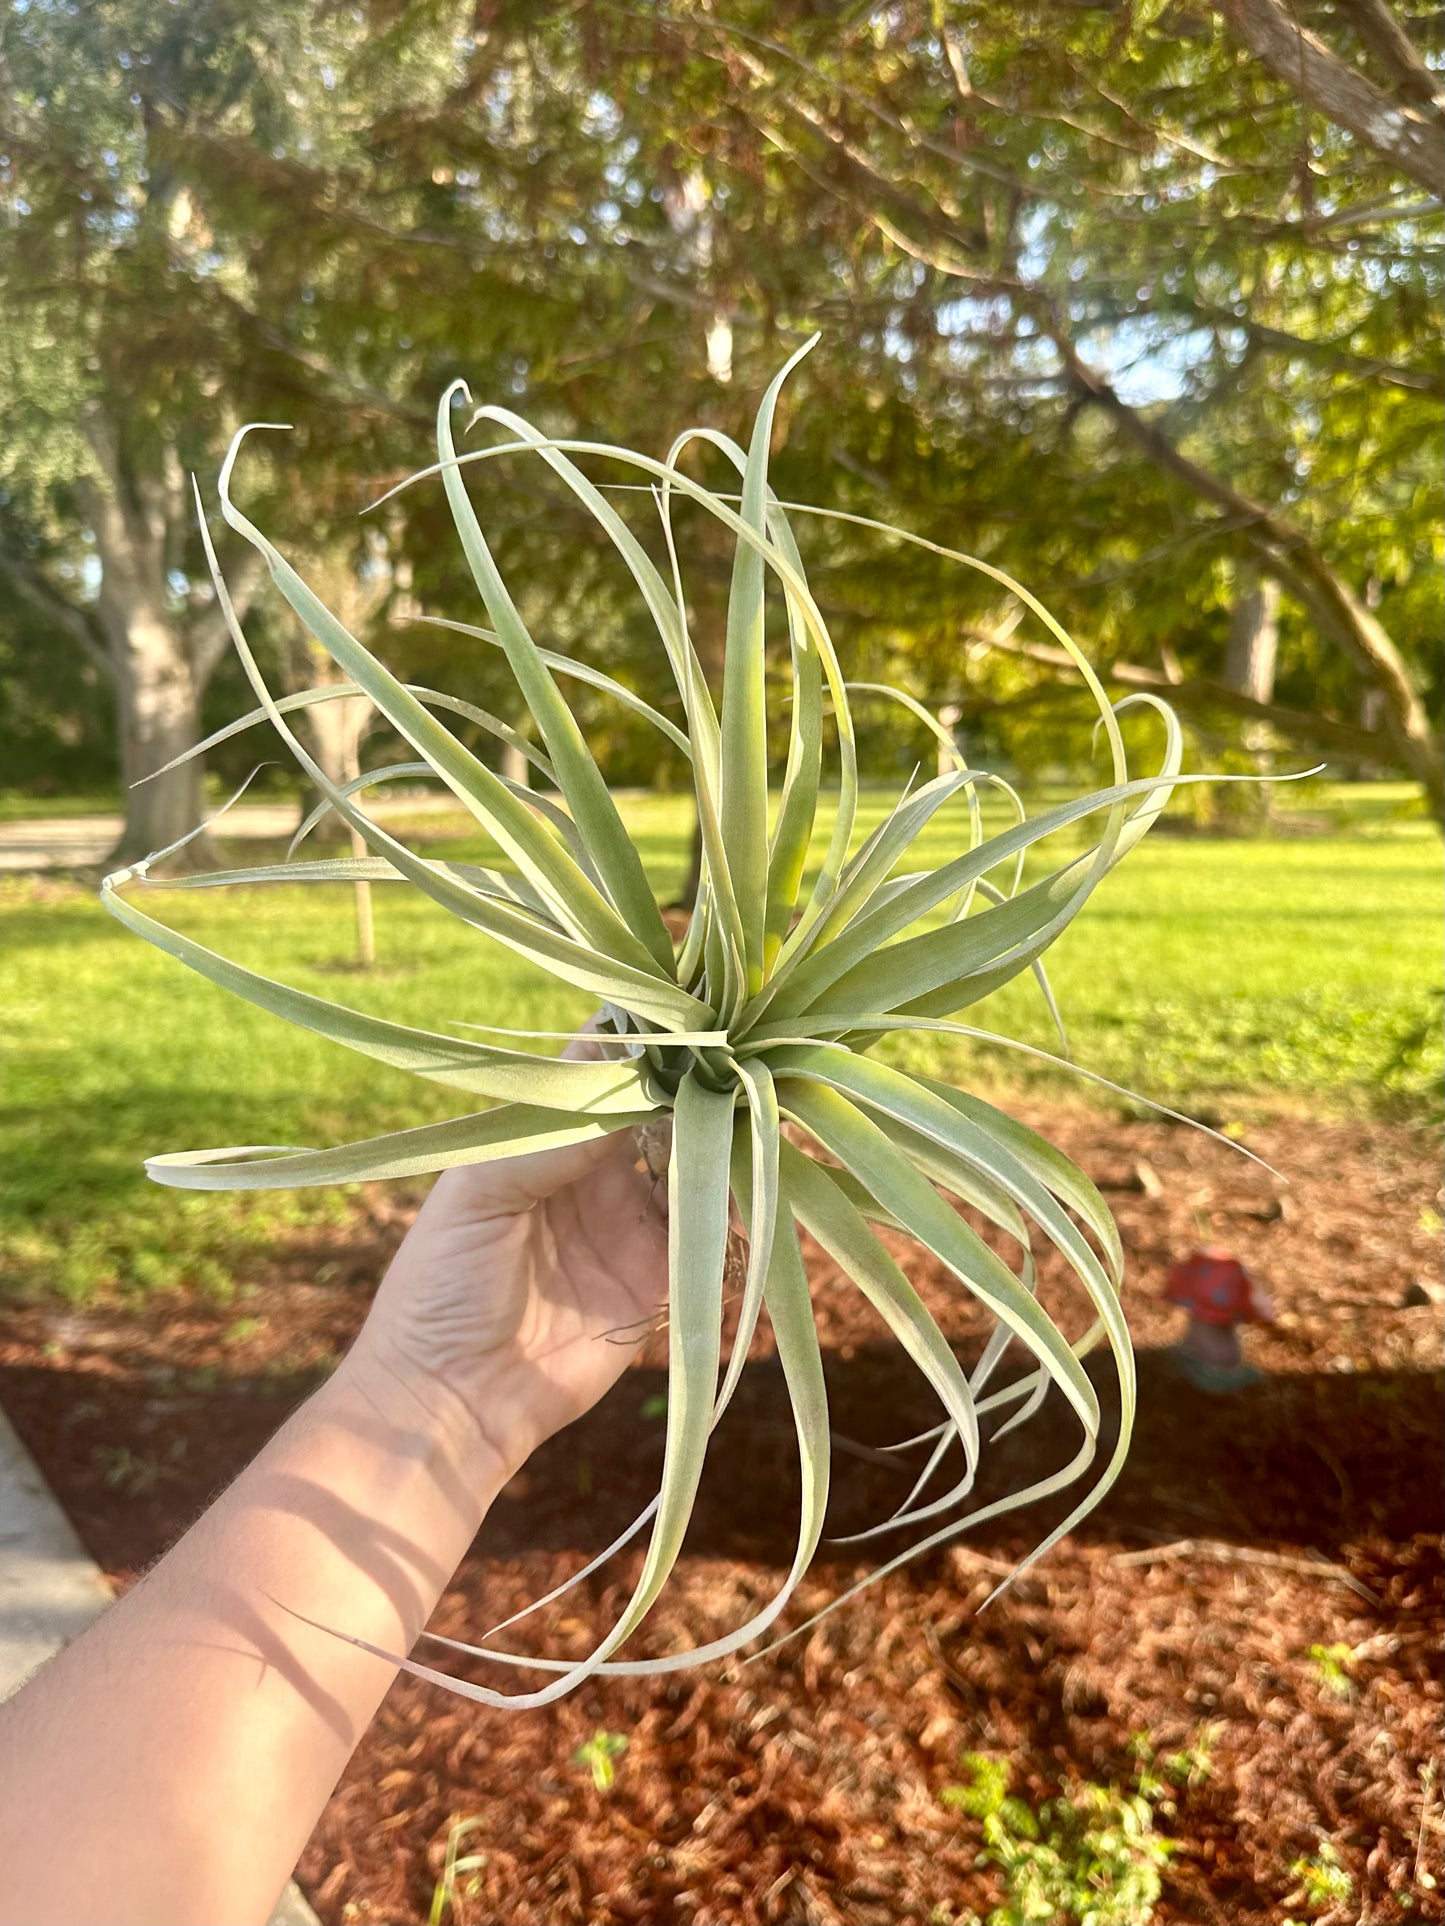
x: 1140, y: 302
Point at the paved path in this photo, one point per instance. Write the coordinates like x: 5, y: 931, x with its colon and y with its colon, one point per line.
x: 50, y: 1590
x: 76, y: 842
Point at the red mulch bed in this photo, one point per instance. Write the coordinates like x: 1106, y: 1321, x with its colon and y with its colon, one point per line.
x: 1305, y: 1511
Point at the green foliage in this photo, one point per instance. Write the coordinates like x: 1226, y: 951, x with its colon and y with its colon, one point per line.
x: 1185, y: 1770
x: 57, y: 718
x: 243, y: 1329
x: 137, y: 1473
x: 24, y: 805
x: 600, y: 1754
x: 1193, y: 1764
x: 1332, y: 1668
x: 205, y: 212
x: 455, y: 1865
x: 1090, y: 1856
x: 1414, y: 1070
x: 1324, y: 1883
x: 970, y: 195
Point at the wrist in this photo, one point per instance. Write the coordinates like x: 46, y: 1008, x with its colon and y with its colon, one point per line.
x: 414, y: 1414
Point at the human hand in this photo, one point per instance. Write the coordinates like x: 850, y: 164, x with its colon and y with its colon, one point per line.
x: 522, y: 1290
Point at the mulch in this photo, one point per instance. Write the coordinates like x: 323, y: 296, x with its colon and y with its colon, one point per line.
x: 1305, y: 1511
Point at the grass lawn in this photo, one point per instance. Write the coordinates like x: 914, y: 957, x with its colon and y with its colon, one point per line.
x: 1226, y: 976
x: 17, y: 807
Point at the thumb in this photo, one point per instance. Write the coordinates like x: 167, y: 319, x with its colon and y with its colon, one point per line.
x: 514, y: 1184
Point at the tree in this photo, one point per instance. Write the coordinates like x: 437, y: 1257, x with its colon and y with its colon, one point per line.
x: 170, y: 183
x: 56, y: 722
x: 230, y: 211
x: 1128, y: 300
x: 1120, y: 298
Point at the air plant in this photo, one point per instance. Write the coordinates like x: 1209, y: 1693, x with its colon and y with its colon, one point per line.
x: 765, y: 1013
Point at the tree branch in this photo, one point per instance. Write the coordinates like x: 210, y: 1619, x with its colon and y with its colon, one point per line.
x: 1282, y: 549
x: 30, y: 581
x: 1288, y: 554
x: 1388, y: 41
x: 675, y: 293
x: 126, y: 510
x: 362, y: 393
x: 1326, y: 354
x: 743, y: 41
x: 1344, y: 740
x: 1407, y: 137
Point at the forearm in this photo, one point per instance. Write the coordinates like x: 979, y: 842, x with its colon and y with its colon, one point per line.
x: 192, y: 1737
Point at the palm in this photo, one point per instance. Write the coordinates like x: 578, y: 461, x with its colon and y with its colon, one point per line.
x: 526, y: 1286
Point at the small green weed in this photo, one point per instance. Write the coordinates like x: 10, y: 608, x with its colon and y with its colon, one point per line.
x: 444, y: 1895
x: 1323, y: 1881
x: 1184, y: 1769
x: 599, y: 1754
x: 136, y: 1473
x: 1332, y: 1668
x: 1090, y: 1856
x: 1195, y: 1763
x: 242, y: 1329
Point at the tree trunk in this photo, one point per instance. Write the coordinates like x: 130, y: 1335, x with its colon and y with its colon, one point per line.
x: 336, y: 730
x: 1249, y: 666
x: 1254, y: 642
x: 158, y: 707
x: 514, y: 766
x: 158, y: 649
x: 1345, y: 618
x: 951, y: 716
x: 159, y: 665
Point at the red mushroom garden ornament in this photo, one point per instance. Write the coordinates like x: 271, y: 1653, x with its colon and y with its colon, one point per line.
x: 1219, y: 1295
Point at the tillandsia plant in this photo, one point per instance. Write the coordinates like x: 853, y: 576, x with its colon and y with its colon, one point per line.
x: 765, y: 1013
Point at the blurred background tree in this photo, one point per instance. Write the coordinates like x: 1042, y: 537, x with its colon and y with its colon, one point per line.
x: 1116, y: 296
x: 1139, y: 301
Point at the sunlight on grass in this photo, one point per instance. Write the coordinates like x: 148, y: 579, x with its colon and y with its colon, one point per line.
x: 1231, y: 977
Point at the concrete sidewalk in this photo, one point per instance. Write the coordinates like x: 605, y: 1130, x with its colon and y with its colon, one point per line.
x: 50, y: 1590
x: 78, y: 842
